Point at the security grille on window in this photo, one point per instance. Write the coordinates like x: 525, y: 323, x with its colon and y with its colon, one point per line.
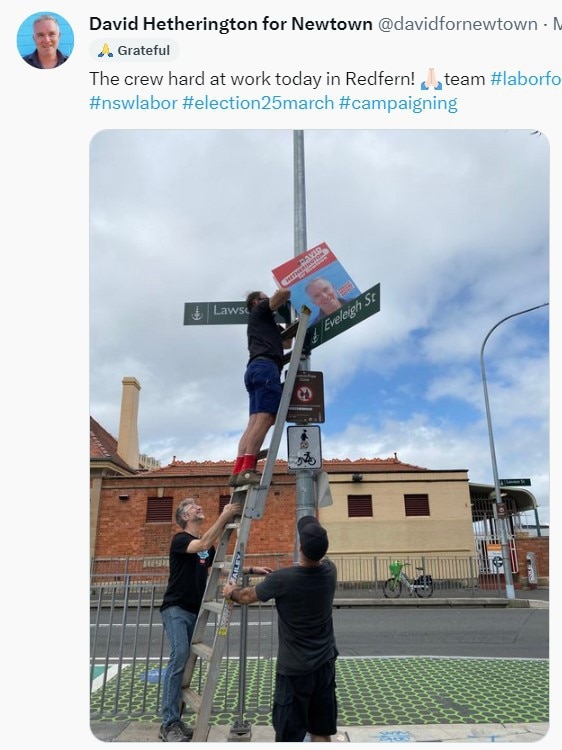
x: 359, y: 506
x: 159, y: 510
x: 416, y: 505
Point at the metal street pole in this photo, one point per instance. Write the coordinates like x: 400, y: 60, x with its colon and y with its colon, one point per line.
x: 304, y: 477
x: 500, y: 521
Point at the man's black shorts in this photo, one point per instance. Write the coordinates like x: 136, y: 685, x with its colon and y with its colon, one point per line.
x: 305, y: 703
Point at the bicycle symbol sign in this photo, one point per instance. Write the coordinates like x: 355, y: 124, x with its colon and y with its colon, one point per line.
x: 304, y: 447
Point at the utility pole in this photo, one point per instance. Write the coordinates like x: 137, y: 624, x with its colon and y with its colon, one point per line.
x: 304, y: 477
x: 501, y: 521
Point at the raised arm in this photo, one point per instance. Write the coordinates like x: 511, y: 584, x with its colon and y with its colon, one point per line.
x: 278, y: 298
x: 214, y: 531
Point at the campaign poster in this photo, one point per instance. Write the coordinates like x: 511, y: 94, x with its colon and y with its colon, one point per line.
x: 318, y: 280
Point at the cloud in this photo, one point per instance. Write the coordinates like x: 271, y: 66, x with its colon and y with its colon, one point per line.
x: 452, y: 224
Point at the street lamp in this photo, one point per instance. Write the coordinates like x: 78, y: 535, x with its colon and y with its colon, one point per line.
x: 501, y: 521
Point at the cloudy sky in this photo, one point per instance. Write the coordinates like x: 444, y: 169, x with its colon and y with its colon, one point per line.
x: 452, y: 224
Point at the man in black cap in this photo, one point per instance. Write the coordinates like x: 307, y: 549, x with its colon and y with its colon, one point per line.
x: 305, y: 685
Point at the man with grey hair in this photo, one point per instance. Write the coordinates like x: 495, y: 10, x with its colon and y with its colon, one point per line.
x: 191, y: 555
x: 46, y: 35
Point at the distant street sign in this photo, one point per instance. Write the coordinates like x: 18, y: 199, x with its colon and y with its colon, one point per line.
x: 363, y: 306
x: 515, y: 482
x: 307, y: 398
x: 218, y: 313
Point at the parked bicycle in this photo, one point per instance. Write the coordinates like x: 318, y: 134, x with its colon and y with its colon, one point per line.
x: 422, y: 586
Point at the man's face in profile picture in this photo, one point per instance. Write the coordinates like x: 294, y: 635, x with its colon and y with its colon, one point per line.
x: 46, y: 35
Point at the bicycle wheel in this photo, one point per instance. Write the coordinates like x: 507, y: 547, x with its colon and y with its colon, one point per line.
x: 424, y: 590
x: 392, y: 588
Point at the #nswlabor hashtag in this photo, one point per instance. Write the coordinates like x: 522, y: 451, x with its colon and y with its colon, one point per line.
x: 95, y: 102
x: 187, y: 102
x: 344, y: 102
x: 496, y: 78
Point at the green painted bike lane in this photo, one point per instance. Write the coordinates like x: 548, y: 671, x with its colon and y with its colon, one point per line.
x: 375, y: 691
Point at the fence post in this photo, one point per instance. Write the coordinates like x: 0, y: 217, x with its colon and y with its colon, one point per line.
x: 241, y: 731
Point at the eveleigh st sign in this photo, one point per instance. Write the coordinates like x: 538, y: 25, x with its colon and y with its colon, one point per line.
x: 363, y: 306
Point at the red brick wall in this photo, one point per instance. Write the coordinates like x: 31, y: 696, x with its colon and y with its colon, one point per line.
x: 540, y: 546
x: 123, y: 531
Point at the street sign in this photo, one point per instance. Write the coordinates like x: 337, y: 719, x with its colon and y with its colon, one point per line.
x: 363, y: 306
x: 495, y: 559
x: 515, y: 482
x: 303, y: 448
x: 214, y: 313
x: 218, y: 313
x: 307, y: 398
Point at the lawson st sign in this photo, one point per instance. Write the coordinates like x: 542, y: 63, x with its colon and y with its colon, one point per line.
x: 214, y: 313
x: 218, y: 313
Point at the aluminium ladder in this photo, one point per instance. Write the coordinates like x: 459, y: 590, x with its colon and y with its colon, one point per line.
x: 229, y: 567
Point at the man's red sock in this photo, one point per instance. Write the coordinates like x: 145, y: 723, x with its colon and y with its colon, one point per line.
x: 249, y: 463
x: 238, y: 464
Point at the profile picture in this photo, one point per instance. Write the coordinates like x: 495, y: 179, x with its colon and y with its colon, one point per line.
x: 45, y: 40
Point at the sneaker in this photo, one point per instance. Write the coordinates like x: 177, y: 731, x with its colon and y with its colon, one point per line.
x: 233, y: 480
x: 172, y: 733
x: 188, y: 731
x: 247, y: 476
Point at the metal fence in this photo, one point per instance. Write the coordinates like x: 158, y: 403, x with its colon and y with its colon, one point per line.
x: 128, y: 648
x: 360, y: 575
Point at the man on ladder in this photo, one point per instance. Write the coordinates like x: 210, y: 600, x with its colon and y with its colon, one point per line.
x: 191, y: 555
x: 262, y: 380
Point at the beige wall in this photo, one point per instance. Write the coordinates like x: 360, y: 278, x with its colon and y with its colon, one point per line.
x: 447, y: 531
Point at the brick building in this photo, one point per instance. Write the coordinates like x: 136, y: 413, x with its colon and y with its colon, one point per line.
x: 379, y: 506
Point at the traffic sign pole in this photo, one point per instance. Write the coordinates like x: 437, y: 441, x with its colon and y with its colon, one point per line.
x: 304, y: 477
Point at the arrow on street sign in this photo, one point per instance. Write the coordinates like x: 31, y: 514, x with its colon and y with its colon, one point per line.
x: 356, y: 310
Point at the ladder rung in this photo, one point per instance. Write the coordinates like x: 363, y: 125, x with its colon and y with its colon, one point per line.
x: 247, y: 487
x: 192, y: 698
x: 289, y: 332
x: 213, y: 606
x: 222, y: 564
x: 202, y: 650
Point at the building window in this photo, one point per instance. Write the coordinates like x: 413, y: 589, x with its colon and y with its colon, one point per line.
x: 223, y: 500
x: 159, y: 510
x: 359, y: 506
x: 416, y: 505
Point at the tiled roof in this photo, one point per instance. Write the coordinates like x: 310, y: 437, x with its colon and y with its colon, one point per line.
x: 332, y: 466
x: 104, y: 446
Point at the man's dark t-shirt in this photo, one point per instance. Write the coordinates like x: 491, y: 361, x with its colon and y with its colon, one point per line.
x: 188, y: 574
x: 33, y: 59
x: 264, y: 335
x: 304, y: 599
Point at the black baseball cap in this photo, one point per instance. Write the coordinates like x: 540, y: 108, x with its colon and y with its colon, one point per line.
x: 313, y: 538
